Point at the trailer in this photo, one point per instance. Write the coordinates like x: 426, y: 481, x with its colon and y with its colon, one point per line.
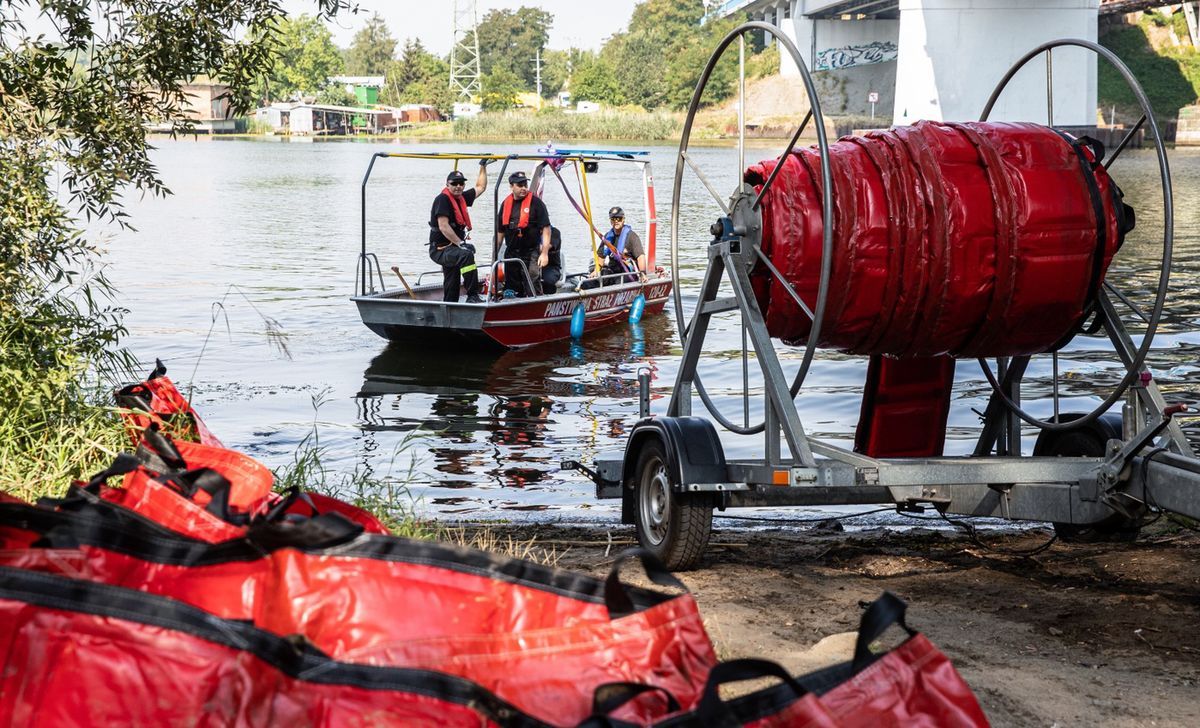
x: 1093, y: 474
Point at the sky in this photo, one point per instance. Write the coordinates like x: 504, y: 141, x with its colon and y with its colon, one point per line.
x: 576, y: 23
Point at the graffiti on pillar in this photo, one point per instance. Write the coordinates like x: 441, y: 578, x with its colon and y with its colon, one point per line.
x: 832, y: 59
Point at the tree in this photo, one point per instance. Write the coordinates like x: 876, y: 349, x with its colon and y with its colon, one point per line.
x: 304, y: 59
x: 511, y: 39
x: 418, y: 77
x: 73, y: 117
x: 556, y: 67
x: 594, y: 80
x: 500, y: 89
x: 372, y: 49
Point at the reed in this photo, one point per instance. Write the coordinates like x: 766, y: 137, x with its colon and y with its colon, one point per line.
x: 601, y: 126
x: 39, y: 461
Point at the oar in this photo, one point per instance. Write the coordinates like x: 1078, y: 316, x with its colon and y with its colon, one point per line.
x: 396, y: 269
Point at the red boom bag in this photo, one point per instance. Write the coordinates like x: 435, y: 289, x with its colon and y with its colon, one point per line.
x: 911, y: 685
x: 156, y: 406
x: 977, y: 239
x: 541, y: 638
x: 158, y: 401
x: 78, y: 653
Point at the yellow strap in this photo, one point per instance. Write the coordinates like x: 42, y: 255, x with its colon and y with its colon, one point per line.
x: 467, y: 268
x: 587, y: 209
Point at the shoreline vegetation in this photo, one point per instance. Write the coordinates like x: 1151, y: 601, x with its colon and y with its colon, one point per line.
x: 710, y: 126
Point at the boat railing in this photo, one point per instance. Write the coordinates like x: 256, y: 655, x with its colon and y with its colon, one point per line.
x: 422, y: 274
x: 608, y: 279
x: 524, y: 270
x: 368, y: 264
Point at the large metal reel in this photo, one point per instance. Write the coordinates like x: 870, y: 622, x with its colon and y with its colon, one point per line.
x: 1104, y: 308
x: 744, y: 204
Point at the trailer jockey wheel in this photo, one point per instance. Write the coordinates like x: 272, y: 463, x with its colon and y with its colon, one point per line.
x: 673, y: 526
x: 1088, y: 442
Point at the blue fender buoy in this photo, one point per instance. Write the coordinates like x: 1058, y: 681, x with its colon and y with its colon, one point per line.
x: 638, y: 346
x: 636, y: 308
x: 578, y: 317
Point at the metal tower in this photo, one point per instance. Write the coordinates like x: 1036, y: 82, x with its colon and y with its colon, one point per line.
x: 464, y: 54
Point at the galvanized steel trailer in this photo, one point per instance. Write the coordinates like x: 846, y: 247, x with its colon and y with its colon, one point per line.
x: 1091, y: 474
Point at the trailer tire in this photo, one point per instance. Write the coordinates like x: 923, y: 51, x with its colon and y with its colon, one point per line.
x: 671, y: 525
x: 1088, y: 442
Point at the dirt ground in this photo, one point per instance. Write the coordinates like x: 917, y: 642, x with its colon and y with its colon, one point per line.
x: 1079, y: 635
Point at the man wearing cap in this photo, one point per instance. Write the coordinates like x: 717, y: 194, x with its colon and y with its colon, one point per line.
x: 621, y: 251
x: 449, y: 222
x: 523, y: 224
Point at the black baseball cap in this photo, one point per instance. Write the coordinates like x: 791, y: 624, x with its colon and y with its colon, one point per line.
x: 456, y: 176
x: 518, y: 178
x: 616, y: 212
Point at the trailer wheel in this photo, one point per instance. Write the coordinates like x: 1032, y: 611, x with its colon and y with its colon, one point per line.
x: 673, y: 526
x: 1087, y: 442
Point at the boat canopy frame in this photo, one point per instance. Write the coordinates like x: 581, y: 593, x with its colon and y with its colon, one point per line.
x: 368, y: 263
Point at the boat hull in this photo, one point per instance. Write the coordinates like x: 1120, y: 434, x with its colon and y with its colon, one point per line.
x: 510, y: 323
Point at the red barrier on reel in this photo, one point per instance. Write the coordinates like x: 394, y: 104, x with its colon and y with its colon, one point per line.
x: 977, y: 239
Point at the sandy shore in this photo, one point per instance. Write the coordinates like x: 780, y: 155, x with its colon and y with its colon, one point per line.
x: 1078, y: 635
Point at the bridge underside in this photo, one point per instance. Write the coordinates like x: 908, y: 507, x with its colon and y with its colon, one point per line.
x: 940, y: 59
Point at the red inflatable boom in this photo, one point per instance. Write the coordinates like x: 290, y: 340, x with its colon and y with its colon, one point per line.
x: 978, y: 239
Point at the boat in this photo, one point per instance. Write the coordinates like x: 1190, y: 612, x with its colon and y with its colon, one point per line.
x: 416, y: 314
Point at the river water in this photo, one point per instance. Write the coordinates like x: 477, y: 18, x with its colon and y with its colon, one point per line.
x: 240, y: 282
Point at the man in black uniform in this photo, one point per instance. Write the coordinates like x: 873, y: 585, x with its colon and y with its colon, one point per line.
x: 523, y: 224
x: 449, y: 222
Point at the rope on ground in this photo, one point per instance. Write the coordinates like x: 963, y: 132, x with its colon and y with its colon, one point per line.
x: 826, y: 519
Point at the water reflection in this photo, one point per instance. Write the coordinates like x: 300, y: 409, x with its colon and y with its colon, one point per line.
x: 507, y: 419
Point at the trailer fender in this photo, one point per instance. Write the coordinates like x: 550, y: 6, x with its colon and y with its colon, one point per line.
x: 694, y: 454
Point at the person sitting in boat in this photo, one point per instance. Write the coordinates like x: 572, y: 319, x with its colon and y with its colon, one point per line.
x: 552, y: 272
x: 622, y: 252
x: 449, y: 222
x: 523, y: 225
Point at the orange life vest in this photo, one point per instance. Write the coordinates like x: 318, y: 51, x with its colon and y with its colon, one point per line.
x: 461, y: 216
x: 506, y: 211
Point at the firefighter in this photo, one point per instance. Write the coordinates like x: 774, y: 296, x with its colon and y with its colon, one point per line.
x: 449, y: 222
x: 523, y: 225
x: 623, y: 251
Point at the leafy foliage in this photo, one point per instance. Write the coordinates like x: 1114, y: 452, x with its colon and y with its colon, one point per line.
x: 500, y: 89
x: 510, y: 39
x: 304, y: 58
x: 418, y: 77
x: 372, y: 49
x: 595, y: 80
x: 73, y: 109
x: 1170, y: 76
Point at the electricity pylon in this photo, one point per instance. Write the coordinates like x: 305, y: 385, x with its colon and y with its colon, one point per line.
x: 464, y: 54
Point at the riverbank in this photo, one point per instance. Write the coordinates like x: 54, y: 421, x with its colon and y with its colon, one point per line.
x: 1081, y: 634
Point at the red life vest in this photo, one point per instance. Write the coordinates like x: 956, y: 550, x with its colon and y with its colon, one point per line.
x: 461, y: 216
x: 506, y: 211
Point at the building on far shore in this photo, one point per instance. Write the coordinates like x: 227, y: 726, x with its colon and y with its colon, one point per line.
x: 206, y: 105
x: 365, y: 88
x: 321, y: 119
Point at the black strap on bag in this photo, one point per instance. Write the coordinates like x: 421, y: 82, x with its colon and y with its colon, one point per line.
x: 885, y: 611
x: 880, y: 615
x: 617, y: 599
x: 713, y: 711
x: 159, y: 451
x: 610, y: 696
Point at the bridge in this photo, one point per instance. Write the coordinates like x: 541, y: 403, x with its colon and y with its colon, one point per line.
x: 940, y: 59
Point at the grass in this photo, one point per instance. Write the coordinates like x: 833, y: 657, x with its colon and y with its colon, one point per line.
x: 38, y: 461
x: 601, y: 126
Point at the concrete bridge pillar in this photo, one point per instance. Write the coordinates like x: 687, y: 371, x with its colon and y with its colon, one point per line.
x: 952, y: 53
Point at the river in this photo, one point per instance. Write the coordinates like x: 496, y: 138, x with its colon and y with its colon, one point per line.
x: 240, y: 282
